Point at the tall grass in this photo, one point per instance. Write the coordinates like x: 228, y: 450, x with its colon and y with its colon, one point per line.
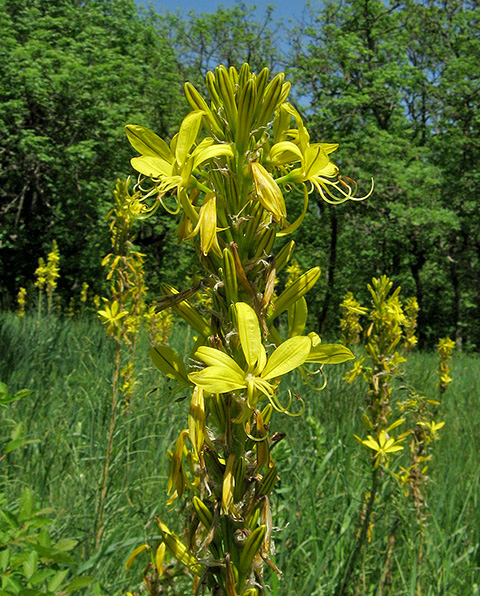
x: 69, y: 365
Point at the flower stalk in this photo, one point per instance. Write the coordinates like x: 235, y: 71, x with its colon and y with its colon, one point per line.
x: 238, y: 163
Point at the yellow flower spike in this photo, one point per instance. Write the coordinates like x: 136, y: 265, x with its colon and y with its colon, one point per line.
x: 268, y: 191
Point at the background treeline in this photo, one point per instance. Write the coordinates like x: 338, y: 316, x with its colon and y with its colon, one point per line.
x: 396, y: 83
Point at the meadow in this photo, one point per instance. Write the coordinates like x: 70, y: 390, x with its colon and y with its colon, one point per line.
x: 68, y: 364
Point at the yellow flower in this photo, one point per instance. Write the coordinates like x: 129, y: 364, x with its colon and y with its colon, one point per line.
x: 223, y: 374
x: 382, y: 446
x: 172, y: 167
x: 315, y: 165
x: 111, y: 316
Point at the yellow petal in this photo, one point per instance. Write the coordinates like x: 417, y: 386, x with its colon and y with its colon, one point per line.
x: 329, y: 354
x: 250, y: 337
x: 214, y: 357
x: 187, y: 135
x: 288, y: 356
x: 153, y: 167
x: 268, y: 191
x: 217, y: 379
x: 147, y: 142
x: 210, y: 152
x: 316, y: 159
x: 208, y: 223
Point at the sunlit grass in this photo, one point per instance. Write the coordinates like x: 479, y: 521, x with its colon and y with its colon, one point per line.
x: 69, y: 365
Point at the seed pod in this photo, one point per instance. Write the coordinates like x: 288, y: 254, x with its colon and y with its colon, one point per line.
x: 246, y: 108
x: 268, y: 482
x: 229, y: 277
x: 251, y: 549
x: 297, y: 289
x: 284, y: 255
x: 198, y: 103
x: 270, y: 100
x: 227, y: 96
x: 203, y: 512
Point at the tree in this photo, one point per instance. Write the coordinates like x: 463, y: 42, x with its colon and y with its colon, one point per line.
x: 229, y: 36
x: 73, y: 74
x: 367, y: 79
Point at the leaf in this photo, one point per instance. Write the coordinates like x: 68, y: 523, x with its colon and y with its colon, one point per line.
x: 250, y: 337
x: 9, y: 518
x: 289, y: 355
x: 30, y: 564
x: 329, y: 354
x: 26, y: 504
x: 15, y: 444
x: 57, y: 580
x: 79, y: 583
x: 65, y: 544
x: 169, y: 363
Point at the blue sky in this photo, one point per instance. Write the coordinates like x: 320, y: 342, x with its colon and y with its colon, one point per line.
x: 283, y: 7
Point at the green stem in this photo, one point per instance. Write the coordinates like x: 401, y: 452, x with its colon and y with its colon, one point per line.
x: 341, y: 589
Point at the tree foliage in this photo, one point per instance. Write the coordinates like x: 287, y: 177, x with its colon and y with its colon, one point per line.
x: 395, y: 82
x: 72, y: 74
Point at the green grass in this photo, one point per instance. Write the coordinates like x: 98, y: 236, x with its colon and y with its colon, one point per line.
x: 69, y: 366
